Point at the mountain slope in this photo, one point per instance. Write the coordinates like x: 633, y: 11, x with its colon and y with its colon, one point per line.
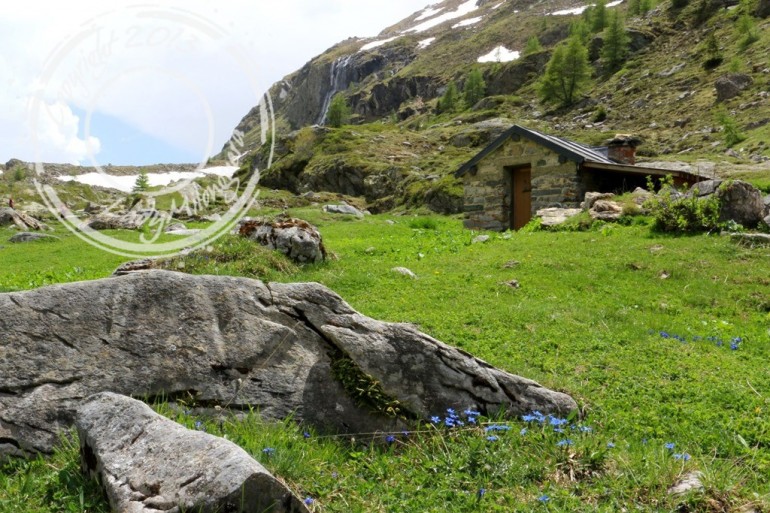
x: 400, y: 150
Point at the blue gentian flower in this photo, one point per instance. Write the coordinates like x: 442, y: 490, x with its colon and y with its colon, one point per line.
x: 670, y: 446
x: 683, y: 456
x: 390, y: 439
x: 523, y: 431
x: 492, y: 438
x: 610, y: 445
x: 308, y: 501
x: 565, y: 442
x: 435, y: 419
x: 544, y: 498
x: 268, y: 450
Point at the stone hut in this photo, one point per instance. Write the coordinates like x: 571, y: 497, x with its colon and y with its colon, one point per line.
x: 524, y: 170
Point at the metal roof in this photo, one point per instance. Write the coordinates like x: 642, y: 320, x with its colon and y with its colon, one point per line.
x: 570, y: 150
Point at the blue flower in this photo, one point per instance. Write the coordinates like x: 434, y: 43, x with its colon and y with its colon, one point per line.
x: 390, y: 439
x: 472, y: 420
x: 544, y: 498
x: 405, y: 433
x: 523, y: 431
x: 481, y: 492
x: 585, y: 429
x: 451, y: 413
x: 308, y: 501
x: 435, y: 419
x: 565, y: 442
x: 558, y: 430
x: 268, y: 450
x: 664, y: 334
x: 492, y: 438
x: 199, y: 425
x: 683, y: 456
x: 557, y: 421
x: 610, y: 445
x: 735, y: 343
x: 471, y: 413
x: 306, y: 434
x: 449, y: 422
x: 670, y: 446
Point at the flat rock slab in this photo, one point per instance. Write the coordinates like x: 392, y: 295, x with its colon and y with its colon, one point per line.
x: 147, y: 463
x: 230, y: 342
x: 32, y: 236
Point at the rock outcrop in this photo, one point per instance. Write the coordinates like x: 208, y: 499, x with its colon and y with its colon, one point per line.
x: 295, y: 238
x: 147, y: 463
x: 235, y: 342
x: 21, y: 220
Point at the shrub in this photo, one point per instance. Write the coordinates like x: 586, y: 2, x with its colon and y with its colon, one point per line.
x: 533, y: 46
x: 673, y: 211
x: 730, y: 132
x: 448, y: 102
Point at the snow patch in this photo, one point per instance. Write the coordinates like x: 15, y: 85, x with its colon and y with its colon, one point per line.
x: 580, y: 9
x: 425, y: 43
x: 469, y: 21
x: 462, y: 10
x: 500, y: 54
x: 496, y: 6
x: 375, y: 44
x: 126, y: 183
x: 566, y: 12
x: 428, y: 12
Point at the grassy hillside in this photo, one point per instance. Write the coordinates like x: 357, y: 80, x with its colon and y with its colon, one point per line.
x: 661, y: 339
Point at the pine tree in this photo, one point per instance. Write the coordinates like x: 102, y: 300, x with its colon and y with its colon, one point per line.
x: 580, y: 30
x: 615, y: 48
x: 142, y: 182
x: 599, y: 17
x: 339, y: 112
x: 533, y: 46
x: 475, y: 88
x: 567, y: 73
x: 634, y: 8
x: 448, y: 102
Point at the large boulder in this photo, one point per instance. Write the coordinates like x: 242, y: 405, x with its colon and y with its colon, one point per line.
x: 284, y: 349
x: 32, y: 236
x: 147, y: 463
x: 295, y: 238
x: 111, y: 221
x: 739, y: 201
x: 729, y: 86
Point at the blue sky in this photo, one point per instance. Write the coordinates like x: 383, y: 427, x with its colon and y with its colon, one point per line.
x: 161, y: 83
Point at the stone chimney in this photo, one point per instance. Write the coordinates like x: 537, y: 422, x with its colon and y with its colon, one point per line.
x: 622, y: 149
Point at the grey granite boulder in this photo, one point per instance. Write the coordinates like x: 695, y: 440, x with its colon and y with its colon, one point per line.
x: 739, y: 201
x: 226, y: 341
x: 147, y: 463
x: 295, y: 238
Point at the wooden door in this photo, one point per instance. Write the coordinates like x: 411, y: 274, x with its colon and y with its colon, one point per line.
x: 521, y: 196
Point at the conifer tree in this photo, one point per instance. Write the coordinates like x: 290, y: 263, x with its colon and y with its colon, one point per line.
x: 533, y: 46
x: 142, y: 182
x: 475, y: 88
x: 599, y: 16
x: 567, y: 73
x: 448, y: 102
x: 615, y: 48
x: 339, y: 112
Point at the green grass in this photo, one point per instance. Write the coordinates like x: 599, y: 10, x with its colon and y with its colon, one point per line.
x: 595, y: 316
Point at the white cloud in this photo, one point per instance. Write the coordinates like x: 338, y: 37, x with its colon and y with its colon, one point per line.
x: 166, y: 94
x: 55, y: 129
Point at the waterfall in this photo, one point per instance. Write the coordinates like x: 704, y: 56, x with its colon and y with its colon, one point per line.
x: 337, y: 82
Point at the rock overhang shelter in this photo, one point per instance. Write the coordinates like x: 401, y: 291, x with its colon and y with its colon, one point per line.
x: 523, y: 171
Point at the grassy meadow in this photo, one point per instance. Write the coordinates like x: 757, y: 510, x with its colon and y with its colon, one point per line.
x: 662, y: 340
